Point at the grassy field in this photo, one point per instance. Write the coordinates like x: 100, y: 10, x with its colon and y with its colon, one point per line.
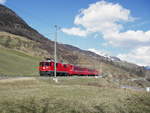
x: 70, y: 95
x: 15, y: 63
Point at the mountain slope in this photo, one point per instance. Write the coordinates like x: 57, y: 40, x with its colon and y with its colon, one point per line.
x: 29, y: 41
x: 12, y: 23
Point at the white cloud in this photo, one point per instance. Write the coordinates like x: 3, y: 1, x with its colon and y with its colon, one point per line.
x: 2, y: 1
x: 139, y: 56
x: 75, y: 31
x: 130, y: 39
x: 102, y: 17
x: 107, y: 19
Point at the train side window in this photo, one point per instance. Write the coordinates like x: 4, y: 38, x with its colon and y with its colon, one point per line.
x: 50, y: 64
x: 76, y: 68
x: 65, y: 66
x: 57, y: 64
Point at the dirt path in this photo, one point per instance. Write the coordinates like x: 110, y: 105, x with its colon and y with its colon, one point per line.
x: 4, y: 80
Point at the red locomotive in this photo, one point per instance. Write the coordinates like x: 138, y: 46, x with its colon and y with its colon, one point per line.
x: 47, y: 68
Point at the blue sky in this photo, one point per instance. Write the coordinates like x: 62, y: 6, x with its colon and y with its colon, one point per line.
x: 116, y: 27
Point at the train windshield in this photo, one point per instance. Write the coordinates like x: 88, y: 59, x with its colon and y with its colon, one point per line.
x: 44, y: 63
x: 47, y: 63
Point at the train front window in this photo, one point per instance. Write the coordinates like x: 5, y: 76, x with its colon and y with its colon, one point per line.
x: 47, y: 64
x: 57, y: 64
x: 65, y: 66
x: 44, y: 64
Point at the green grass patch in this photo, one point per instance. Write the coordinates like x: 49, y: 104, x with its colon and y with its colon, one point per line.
x: 14, y: 63
x: 70, y: 95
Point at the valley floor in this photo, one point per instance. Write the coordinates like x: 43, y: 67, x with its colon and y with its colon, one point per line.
x: 70, y: 95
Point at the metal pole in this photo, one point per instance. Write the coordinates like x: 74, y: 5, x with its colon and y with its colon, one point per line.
x: 55, y: 52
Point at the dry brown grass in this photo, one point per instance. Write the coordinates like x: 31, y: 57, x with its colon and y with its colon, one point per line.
x: 70, y: 95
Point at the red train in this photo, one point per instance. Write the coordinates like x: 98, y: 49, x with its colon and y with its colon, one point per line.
x: 47, y: 68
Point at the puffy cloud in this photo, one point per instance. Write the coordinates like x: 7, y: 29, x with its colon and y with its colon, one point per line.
x: 139, y: 56
x: 75, y: 31
x: 2, y: 1
x: 101, y: 17
x: 106, y: 18
x: 130, y: 39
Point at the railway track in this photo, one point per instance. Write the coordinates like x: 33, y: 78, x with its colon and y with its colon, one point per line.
x: 46, y: 77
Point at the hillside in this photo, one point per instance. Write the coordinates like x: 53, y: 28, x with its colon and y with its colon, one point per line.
x: 16, y: 35
x: 12, y: 23
x: 15, y: 63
